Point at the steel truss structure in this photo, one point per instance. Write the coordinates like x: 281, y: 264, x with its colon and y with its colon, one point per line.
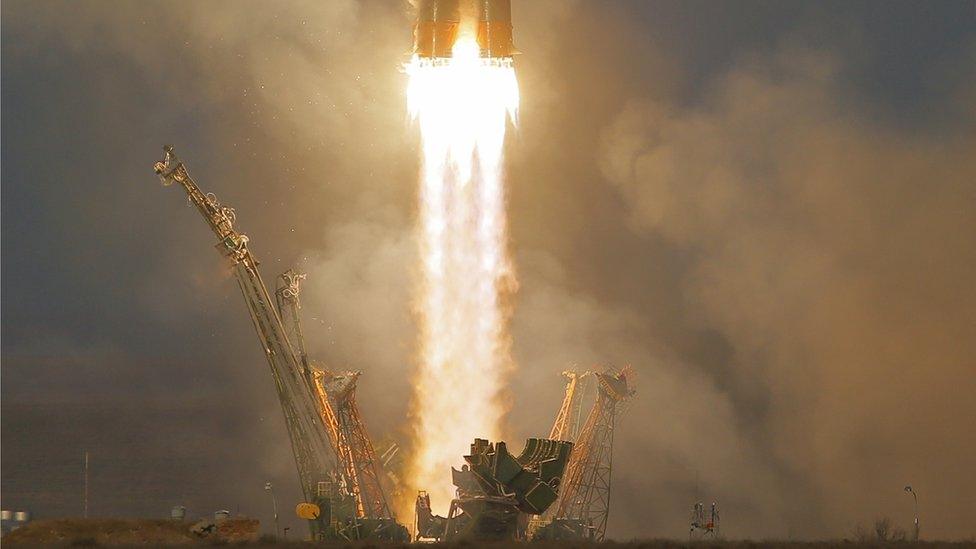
x: 585, y: 493
x: 319, y: 407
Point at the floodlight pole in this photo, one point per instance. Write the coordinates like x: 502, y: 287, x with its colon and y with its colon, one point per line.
x: 86, y: 483
x: 915, y: 497
x: 274, y: 505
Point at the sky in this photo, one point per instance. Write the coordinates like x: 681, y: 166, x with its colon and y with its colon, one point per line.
x: 767, y: 208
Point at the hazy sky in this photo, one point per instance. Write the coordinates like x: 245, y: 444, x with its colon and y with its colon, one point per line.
x: 768, y: 208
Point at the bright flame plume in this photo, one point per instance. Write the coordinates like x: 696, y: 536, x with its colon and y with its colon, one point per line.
x: 462, y: 105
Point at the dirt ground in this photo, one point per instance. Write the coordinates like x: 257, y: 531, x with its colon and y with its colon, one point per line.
x: 118, y: 533
x: 130, y: 532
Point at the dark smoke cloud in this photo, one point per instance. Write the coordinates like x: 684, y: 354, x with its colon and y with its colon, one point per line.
x: 765, y: 209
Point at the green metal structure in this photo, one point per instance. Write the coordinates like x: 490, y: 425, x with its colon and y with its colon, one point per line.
x: 497, y: 492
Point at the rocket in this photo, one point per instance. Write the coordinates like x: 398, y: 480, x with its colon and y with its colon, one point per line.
x: 440, y: 22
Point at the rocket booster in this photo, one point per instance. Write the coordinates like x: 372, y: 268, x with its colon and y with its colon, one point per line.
x: 441, y: 22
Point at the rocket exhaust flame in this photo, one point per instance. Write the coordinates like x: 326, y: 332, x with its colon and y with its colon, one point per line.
x: 461, y: 104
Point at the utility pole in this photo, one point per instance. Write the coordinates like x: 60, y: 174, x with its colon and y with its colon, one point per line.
x: 274, y: 505
x: 86, y: 483
x: 915, y: 497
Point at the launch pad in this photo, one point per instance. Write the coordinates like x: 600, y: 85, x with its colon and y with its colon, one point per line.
x: 557, y: 487
x: 462, y: 91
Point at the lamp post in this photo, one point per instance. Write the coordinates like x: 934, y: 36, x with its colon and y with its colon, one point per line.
x: 274, y: 504
x: 86, y: 483
x: 915, y: 497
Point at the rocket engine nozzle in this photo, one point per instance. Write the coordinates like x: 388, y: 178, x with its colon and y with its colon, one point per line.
x: 440, y: 22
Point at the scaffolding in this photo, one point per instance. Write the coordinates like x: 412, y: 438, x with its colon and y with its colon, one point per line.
x: 584, y: 498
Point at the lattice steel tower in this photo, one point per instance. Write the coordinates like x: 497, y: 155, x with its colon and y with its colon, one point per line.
x: 567, y: 423
x: 336, y: 396
x: 565, y: 427
x: 585, y: 492
x: 309, y: 443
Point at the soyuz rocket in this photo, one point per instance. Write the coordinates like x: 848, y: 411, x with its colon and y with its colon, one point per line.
x: 440, y: 22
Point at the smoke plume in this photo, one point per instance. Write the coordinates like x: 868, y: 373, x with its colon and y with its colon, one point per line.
x: 762, y: 209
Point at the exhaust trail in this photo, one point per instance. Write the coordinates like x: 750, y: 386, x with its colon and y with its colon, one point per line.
x: 462, y: 105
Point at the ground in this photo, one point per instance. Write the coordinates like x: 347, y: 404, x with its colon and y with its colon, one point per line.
x: 244, y: 532
x: 131, y: 532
